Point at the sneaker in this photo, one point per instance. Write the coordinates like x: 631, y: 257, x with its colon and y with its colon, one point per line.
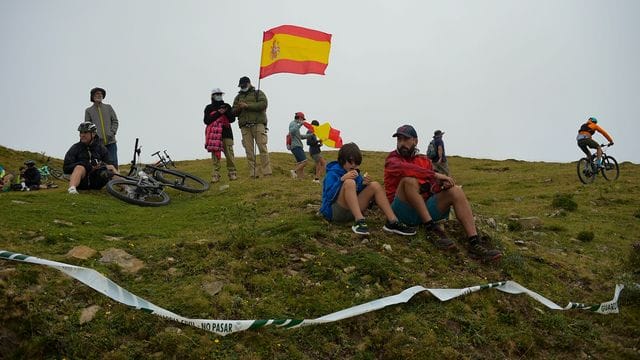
x: 293, y: 174
x: 215, y: 178
x: 233, y: 175
x: 317, y: 181
x: 72, y: 190
x: 439, y: 239
x: 360, y: 227
x: 479, y: 252
x: 399, y: 228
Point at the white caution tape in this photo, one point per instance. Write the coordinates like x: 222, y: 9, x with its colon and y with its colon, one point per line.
x: 107, y: 287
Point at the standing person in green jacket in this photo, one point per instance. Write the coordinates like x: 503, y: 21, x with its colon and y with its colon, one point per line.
x: 250, y: 105
x: 105, y: 119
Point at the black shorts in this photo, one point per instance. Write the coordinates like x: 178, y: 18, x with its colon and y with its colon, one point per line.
x: 584, y: 144
x: 93, y: 181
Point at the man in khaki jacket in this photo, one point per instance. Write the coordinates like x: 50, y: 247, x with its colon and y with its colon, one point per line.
x: 250, y: 105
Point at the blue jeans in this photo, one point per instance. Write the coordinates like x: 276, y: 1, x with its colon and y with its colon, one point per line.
x: 113, y: 153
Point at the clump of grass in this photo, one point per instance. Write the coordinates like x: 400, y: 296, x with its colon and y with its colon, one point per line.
x: 514, y: 225
x: 586, y: 236
x: 564, y: 201
x: 636, y: 214
x: 634, y: 257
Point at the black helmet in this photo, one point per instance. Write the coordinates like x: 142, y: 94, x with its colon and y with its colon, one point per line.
x: 87, y: 126
x: 29, y: 162
x: 95, y: 90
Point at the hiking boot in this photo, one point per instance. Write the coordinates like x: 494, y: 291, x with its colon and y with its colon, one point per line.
x: 215, y: 178
x: 479, y: 252
x: 72, y: 190
x: 399, y: 228
x: 440, y: 240
x: 360, y: 227
x: 233, y: 175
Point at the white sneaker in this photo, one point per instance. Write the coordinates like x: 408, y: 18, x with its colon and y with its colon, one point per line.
x: 316, y: 181
x: 72, y: 190
x: 293, y: 174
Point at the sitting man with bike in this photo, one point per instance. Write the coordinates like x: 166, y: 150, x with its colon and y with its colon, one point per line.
x: 585, y: 140
x: 88, y: 161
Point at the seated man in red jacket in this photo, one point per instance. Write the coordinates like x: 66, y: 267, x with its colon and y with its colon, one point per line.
x: 418, y: 195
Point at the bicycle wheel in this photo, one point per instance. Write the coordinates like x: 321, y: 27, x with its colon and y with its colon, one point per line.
x: 56, y: 173
x: 181, y: 180
x: 585, y: 173
x: 610, y: 169
x: 129, y: 191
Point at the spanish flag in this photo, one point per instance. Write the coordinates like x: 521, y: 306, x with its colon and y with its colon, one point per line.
x: 325, y: 133
x: 294, y: 49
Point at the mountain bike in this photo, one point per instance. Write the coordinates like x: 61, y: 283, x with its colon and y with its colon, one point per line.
x: 164, y: 170
x: 588, y: 167
x: 137, y: 187
x: 46, y: 172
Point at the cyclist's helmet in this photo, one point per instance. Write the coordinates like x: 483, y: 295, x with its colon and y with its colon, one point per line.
x: 29, y: 162
x: 87, y: 126
x: 593, y: 120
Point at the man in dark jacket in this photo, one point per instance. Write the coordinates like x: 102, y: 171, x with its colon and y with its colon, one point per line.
x: 218, y: 134
x: 88, y: 161
x: 250, y: 105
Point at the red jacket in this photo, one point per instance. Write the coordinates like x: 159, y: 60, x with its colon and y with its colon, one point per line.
x: 397, y: 167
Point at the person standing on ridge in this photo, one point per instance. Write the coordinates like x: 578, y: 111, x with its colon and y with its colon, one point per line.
x: 296, y: 145
x: 585, y: 140
x: 316, y: 154
x: 219, y: 135
x: 106, y: 121
x: 250, y: 105
x: 438, y: 156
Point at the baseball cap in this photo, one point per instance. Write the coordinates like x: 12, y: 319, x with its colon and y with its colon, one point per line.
x: 217, y: 91
x: 243, y: 80
x: 300, y: 115
x: 438, y: 133
x: 406, y: 130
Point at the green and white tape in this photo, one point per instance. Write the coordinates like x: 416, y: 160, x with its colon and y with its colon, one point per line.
x: 107, y: 287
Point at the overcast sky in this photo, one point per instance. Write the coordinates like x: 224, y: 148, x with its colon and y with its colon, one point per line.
x: 503, y: 79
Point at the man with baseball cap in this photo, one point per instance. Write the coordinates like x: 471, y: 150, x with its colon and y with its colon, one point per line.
x: 250, y: 105
x: 418, y: 195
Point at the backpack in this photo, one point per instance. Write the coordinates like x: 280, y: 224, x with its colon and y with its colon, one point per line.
x: 288, y: 141
x: 432, y: 152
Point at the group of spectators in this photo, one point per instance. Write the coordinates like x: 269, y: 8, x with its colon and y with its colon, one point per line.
x: 418, y: 190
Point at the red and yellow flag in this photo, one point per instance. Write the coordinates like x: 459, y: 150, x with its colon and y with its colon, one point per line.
x: 294, y: 49
x: 325, y: 133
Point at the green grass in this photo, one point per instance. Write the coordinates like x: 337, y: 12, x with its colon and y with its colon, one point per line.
x: 277, y: 259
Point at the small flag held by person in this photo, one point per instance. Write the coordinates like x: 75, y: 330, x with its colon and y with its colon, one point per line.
x: 325, y: 133
x: 294, y: 49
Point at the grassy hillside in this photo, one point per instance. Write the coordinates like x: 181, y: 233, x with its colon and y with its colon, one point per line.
x: 263, y: 246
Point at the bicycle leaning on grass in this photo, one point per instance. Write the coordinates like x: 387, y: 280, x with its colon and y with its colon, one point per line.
x: 588, y: 167
x: 143, y: 185
x: 164, y: 170
x: 47, y: 172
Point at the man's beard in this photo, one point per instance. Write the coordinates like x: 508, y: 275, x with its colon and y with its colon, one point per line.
x: 406, y: 152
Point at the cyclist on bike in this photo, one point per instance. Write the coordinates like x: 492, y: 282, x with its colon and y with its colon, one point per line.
x: 585, y: 141
x: 88, y: 161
